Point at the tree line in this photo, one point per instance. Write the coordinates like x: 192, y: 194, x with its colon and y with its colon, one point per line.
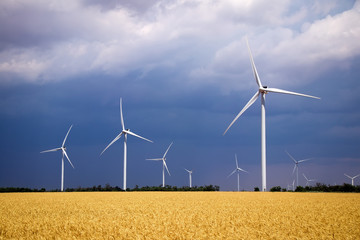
x: 320, y: 187
x: 109, y: 188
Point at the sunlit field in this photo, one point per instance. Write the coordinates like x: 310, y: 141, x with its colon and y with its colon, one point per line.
x: 179, y: 215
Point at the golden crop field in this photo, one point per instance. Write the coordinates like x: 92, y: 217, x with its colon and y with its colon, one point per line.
x: 179, y: 215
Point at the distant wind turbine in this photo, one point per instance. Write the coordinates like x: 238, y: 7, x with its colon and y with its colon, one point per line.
x: 262, y: 91
x: 308, y: 180
x: 63, y: 150
x: 163, y: 159
x: 124, y: 132
x: 238, y: 170
x: 352, y: 178
x: 296, y: 167
x: 190, y: 172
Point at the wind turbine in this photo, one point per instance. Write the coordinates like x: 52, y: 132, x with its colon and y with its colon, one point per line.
x: 190, y: 172
x: 163, y: 159
x: 63, y: 150
x: 308, y: 180
x: 352, y: 178
x: 263, y: 90
x: 296, y: 167
x: 238, y: 170
x: 291, y: 186
x: 124, y: 132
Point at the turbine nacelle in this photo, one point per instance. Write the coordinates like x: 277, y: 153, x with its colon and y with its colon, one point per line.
x: 262, y: 89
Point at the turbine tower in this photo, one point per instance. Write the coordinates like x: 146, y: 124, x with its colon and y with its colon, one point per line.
x: 124, y: 132
x: 190, y: 172
x: 308, y: 180
x: 352, y: 178
x: 296, y: 167
x: 63, y: 150
x: 163, y: 159
x: 238, y: 170
x: 293, y: 185
x: 262, y: 91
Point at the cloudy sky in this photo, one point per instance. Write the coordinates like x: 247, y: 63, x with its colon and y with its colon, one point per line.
x: 182, y: 68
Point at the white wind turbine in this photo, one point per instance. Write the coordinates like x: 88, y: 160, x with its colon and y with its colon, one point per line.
x: 238, y: 170
x: 124, y: 132
x: 63, y: 150
x: 163, y: 159
x: 296, y: 167
x: 190, y: 172
x: 308, y: 180
x: 262, y: 91
x: 352, y: 178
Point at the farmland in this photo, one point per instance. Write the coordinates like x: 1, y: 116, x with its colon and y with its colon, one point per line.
x: 179, y: 215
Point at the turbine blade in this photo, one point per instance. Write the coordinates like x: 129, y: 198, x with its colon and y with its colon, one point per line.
x: 294, y: 168
x: 304, y: 160
x: 242, y: 170
x: 115, y: 139
x: 256, y: 75
x: 121, y: 116
x: 51, y: 150
x: 167, y: 149
x: 66, y: 136
x: 251, y: 101
x: 68, y: 158
x: 356, y: 176
x: 291, y: 157
x: 131, y: 133
x: 154, y: 159
x: 187, y: 170
x: 232, y: 172
x: 276, y: 90
x: 164, y: 162
x: 347, y: 176
x: 237, y: 166
x: 305, y: 177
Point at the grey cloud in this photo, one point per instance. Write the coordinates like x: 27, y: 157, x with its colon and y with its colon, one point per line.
x: 138, y: 6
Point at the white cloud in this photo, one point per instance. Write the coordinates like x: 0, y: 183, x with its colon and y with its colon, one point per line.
x: 282, y: 53
x: 52, y: 40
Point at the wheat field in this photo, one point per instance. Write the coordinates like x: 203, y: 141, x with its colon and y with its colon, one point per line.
x: 179, y: 215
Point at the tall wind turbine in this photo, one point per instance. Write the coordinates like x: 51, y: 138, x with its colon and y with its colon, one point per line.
x: 124, y: 132
x: 262, y: 91
x: 190, y: 172
x: 352, y: 178
x: 163, y: 159
x: 238, y: 170
x: 308, y: 180
x: 296, y: 167
x: 63, y: 150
